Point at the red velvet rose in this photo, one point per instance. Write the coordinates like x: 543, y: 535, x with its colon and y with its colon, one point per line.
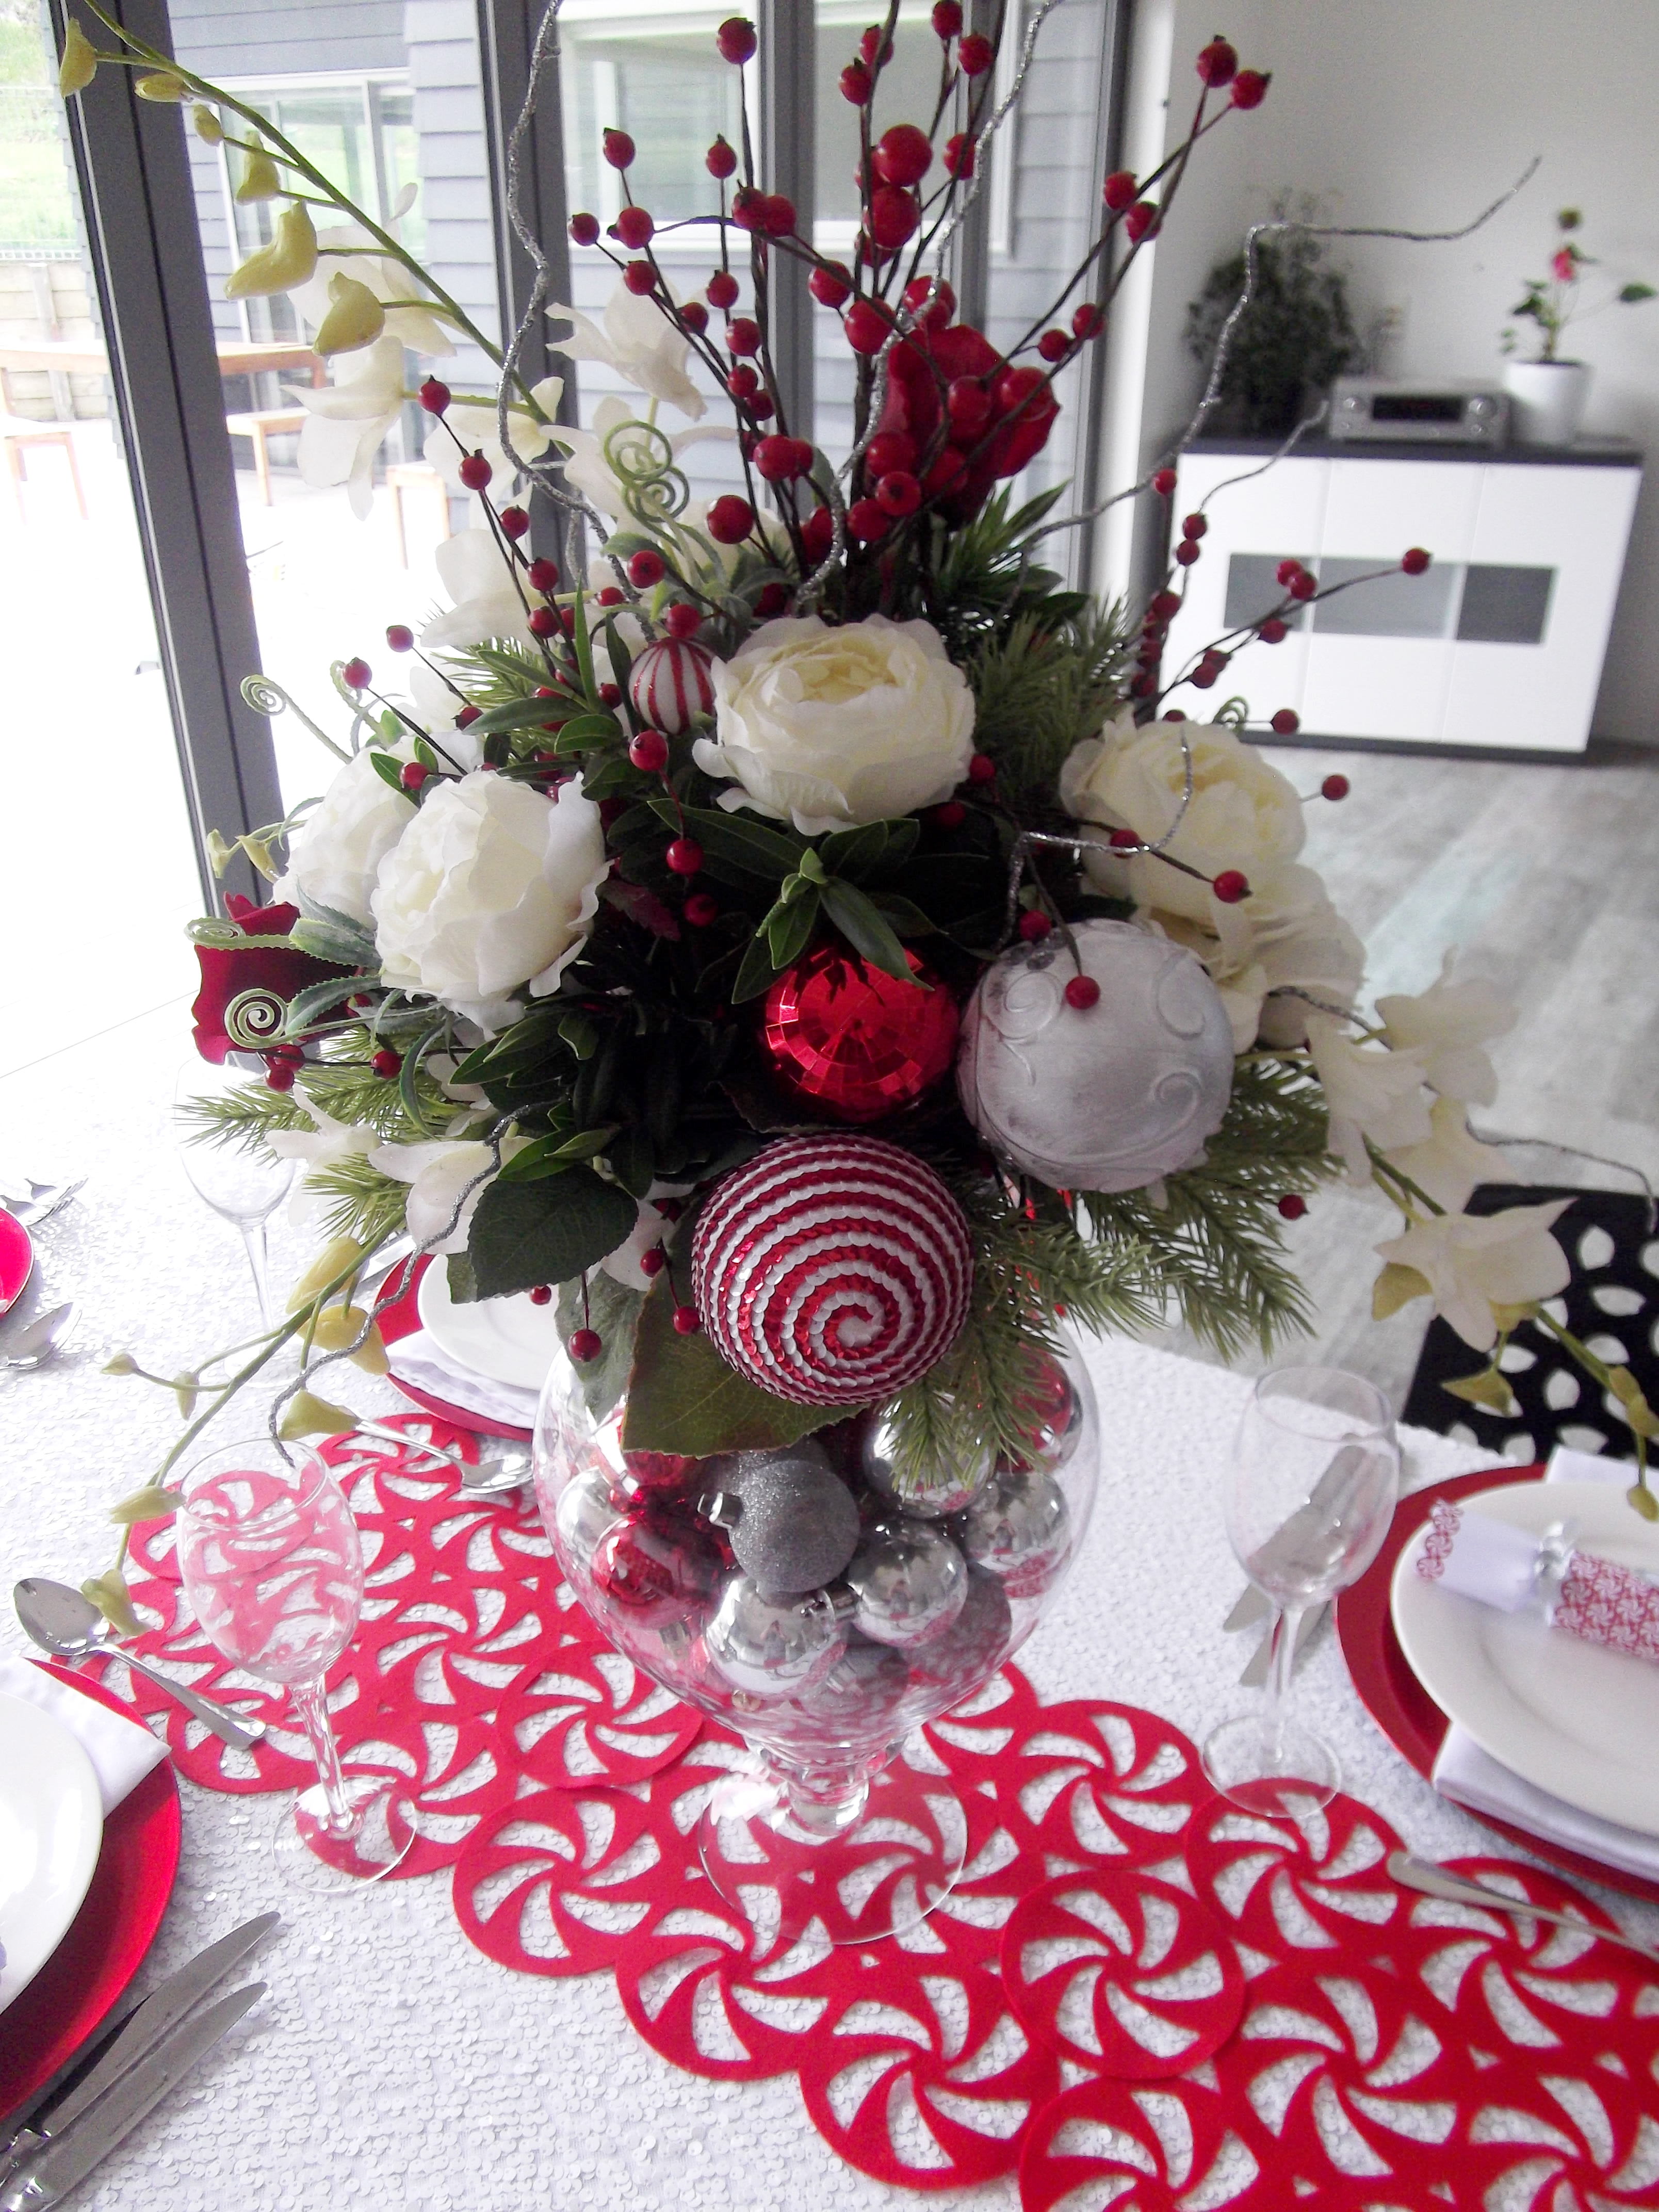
x: 246, y: 989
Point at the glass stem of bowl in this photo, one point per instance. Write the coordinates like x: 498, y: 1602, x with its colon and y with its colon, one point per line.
x: 827, y: 1804
x: 311, y: 1703
x: 1287, y: 1624
x: 253, y: 1236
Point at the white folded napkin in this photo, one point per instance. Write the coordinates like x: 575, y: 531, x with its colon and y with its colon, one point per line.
x: 1566, y: 1465
x: 417, y: 1359
x: 1471, y: 1777
x: 122, y: 1751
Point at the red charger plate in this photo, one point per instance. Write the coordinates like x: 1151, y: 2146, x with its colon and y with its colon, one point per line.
x: 109, y: 1936
x: 17, y: 1259
x: 1397, y: 1701
x: 402, y: 1319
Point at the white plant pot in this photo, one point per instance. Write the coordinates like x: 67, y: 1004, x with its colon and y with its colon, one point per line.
x: 1547, y: 399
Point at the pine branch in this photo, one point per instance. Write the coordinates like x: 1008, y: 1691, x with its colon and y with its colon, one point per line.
x: 358, y: 1200
x: 1039, y: 690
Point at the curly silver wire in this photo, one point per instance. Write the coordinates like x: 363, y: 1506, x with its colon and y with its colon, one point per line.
x: 1223, y: 343
x: 1027, y: 49
x: 1029, y: 841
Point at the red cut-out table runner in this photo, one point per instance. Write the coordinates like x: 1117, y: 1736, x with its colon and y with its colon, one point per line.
x: 1134, y: 1995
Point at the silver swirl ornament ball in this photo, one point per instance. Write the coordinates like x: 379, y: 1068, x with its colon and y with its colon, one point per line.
x: 1104, y: 1097
x: 832, y: 1270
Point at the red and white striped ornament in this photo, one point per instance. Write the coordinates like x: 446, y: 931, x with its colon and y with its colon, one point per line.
x: 832, y: 1270
x: 670, y: 683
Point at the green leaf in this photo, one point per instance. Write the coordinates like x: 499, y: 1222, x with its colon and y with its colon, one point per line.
x: 584, y: 730
x: 582, y: 642
x: 327, y: 940
x: 906, y: 916
x: 309, y: 1006
x: 683, y: 1397
x: 754, y: 971
x: 527, y: 1233
x: 854, y: 853
x: 525, y: 713
x: 768, y: 853
x: 789, y: 929
x: 1630, y: 293
x: 866, y: 930
x: 389, y: 770
x: 633, y: 1160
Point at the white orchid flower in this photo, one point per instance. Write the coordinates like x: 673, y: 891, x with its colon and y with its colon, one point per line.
x: 640, y: 343
x: 587, y: 468
x: 437, y: 1173
x: 1285, y: 937
x: 1447, y: 1165
x: 346, y: 420
x: 1368, y: 1093
x: 1471, y: 1263
x: 319, y: 1146
x: 475, y: 427
x: 417, y: 327
x: 1452, y: 1022
x: 486, y: 604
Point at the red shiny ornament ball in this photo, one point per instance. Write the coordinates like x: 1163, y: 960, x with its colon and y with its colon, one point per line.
x: 1218, y: 63
x: 435, y: 393
x: 1033, y: 926
x: 1287, y: 721
x: 684, y: 856
x: 857, y: 84
x: 866, y: 326
x: 1125, y: 841
x: 542, y: 1295
x: 700, y: 909
x: 967, y: 406
x: 743, y: 382
x: 867, y: 520
x: 730, y: 519
x: 584, y: 229
x: 400, y: 637
x: 872, y: 47
x: 475, y: 472
x: 853, y: 1043
x: 902, y: 156
x: 722, y: 288
x: 648, y: 751
x: 1054, y: 345
x: 655, y: 1470
x: 898, y: 493
x: 749, y: 207
x: 515, y: 521
x: 829, y: 284
x: 610, y: 695
x: 1082, y: 992
x: 585, y: 1344
x: 817, y: 535
x: 467, y: 716
x: 887, y: 451
x: 1250, y: 88
x: 1302, y: 585
x: 1273, y: 631
x: 1165, y: 605
x: 1415, y: 560
x: 653, y: 1262
x: 1087, y: 321
x: 387, y: 1064
x: 544, y: 623
x: 1163, y: 482
x: 777, y: 216
x: 654, y: 1575
x: 976, y: 55
x: 1194, y: 526
x: 737, y: 40
x: 356, y: 674
x: 720, y: 159
x: 687, y: 1321
x: 771, y: 600
x: 1287, y: 572
x: 894, y: 215
x: 279, y: 1075
x: 947, y: 18
x: 618, y: 149
x: 958, y: 155
x: 412, y: 776
x: 1335, y: 786
x: 1187, y: 552
x: 640, y: 278
x: 1139, y: 221
x: 1293, y: 1206
x: 743, y: 335
x: 1119, y: 190
x: 695, y: 316
x: 1230, y: 886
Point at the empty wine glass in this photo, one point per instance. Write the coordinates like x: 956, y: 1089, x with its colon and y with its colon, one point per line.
x: 1311, y: 1487
x: 274, y: 1570
x: 241, y: 1181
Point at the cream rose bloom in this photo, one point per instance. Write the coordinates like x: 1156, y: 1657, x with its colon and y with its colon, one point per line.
x: 490, y: 890
x: 1244, y: 814
x: 832, y: 728
x: 1286, y: 937
x: 1469, y: 1263
x: 335, y: 854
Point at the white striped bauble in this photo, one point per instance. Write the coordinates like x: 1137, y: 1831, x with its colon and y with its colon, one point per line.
x: 670, y: 684
x: 832, y: 1270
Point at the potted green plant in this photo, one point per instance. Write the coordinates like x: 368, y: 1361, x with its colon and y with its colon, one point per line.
x: 1548, y: 395
x: 1295, y: 338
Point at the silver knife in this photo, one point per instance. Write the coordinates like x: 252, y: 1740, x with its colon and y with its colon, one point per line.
x: 66, y: 2163
x: 77, y: 2083
x: 1256, y: 1667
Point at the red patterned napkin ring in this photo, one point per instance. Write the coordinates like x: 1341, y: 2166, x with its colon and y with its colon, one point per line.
x: 1300, y: 1889
x: 582, y: 1714
x: 1605, y: 1603
x: 1342, y: 2069
x: 934, y: 2095
x: 1121, y: 1973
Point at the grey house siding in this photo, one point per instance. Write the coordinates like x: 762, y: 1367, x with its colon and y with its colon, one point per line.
x: 221, y: 39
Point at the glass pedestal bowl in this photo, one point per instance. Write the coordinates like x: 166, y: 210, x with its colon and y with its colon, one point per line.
x: 800, y: 1598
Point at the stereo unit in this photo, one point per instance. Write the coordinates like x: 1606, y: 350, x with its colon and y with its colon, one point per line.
x: 1369, y: 408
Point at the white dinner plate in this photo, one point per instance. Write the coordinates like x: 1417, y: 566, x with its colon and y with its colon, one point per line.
x: 51, y: 1824
x: 1571, y: 1717
x: 508, y: 1340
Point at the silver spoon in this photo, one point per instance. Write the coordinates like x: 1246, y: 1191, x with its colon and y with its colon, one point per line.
x: 61, y: 1621
x: 1457, y: 1889
x: 33, y: 1345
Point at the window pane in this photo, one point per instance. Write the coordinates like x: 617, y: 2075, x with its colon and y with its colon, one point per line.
x: 100, y: 876
x: 385, y: 100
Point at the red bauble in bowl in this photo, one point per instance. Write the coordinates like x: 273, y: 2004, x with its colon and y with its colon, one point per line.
x: 853, y: 1044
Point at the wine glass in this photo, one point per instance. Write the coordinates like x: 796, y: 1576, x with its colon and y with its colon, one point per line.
x: 1309, y: 1493
x: 274, y: 1573
x: 240, y: 1180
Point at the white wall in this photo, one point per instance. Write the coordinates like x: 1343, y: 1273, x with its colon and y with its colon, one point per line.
x: 1415, y: 114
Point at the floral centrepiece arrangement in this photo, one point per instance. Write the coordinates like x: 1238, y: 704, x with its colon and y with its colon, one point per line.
x: 763, y: 872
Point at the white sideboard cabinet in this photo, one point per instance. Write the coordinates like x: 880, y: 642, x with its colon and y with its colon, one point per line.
x: 1498, y: 644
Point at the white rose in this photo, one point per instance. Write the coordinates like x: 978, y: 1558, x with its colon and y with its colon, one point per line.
x: 335, y: 854
x: 1244, y: 814
x: 491, y: 888
x: 1469, y: 1263
x: 831, y: 728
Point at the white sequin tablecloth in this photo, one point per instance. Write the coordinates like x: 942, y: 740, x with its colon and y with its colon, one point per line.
x: 391, y: 2064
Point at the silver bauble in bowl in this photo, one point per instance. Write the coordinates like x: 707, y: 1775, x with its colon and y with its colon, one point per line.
x: 770, y: 1647
x: 1103, y: 1097
x: 1020, y: 1527
x: 941, y: 1491
x: 586, y: 1509
x: 910, y: 1582
x: 790, y: 1519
